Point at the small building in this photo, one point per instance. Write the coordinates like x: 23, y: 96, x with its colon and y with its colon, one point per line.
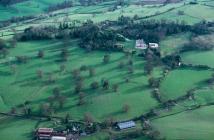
x: 126, y: 125
x: 58, y: 138
x: 140, y: 44
x: 153, y: 45
x: 44, y: 133
x: 119, y: 7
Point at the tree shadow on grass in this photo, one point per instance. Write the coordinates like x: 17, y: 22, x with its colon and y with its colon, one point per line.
x: 66, y: 108
x: 116, y: 113
x: 136, y: 89
x: 38, y: 65
x: 28, y: 135
x: 5, y: 73
x: 111, y: 61
x: 33, y: 78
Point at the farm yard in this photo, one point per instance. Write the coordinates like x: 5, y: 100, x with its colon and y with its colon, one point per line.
x: 78, y: 70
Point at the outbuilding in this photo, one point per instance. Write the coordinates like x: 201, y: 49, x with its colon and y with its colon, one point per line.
x: 153, y: 45
x: 126, y: 125
x: 58, y: 138
x: 44, y: 133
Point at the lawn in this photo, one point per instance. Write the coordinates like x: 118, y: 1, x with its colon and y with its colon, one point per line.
x: 25, y: 86
x: 179, y: 81
x: 26, y: 8
x: 199, y: 58
x: 192, y: 125
x: 172, y: 44
x: 192, y: 14
x: 16, y: 129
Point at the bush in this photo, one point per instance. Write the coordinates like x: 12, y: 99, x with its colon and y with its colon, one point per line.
x: 94, y: 85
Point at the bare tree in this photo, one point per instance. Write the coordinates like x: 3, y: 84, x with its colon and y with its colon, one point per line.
x: 51, y: 78
x: 121, y: 65
x: 76, y: 73
x: 40, y: 54
x: 40, y: 74
x: 153, y: 82
x: 61, y: 101
x: 91, y: 72
x: 126, y: 108
x: 88, y: 118
x: 64, y: 54
x: 62, y: 68
x: 13, y: 110
x: 45, y: 109
x: 130, y: 62
x: 67, y: 118
x: 109, y: 122
x: 56, y: 92
x: 13, y: 42
x: 94, y: 85
x: 78, y: 87
x: 106, y: 58
x: 81, y: 98
x: 83, y: 68
x: 130, y: 69
x: 13, y: 68
x: 115, y: 87
x: 105, y: 84
x: 148, y: 67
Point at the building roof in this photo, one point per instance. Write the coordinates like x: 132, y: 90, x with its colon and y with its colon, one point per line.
x: 140, y: 44
x: 125, y: 125
x: 153, y: 45
x: 58, y: 138
x: 45, y: 130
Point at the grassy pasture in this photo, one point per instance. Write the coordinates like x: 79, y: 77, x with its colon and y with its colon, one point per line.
x: 199, y: 58
x: 178, y: 82
x: 172, y: 44
x: 14, y: 128
x: 192, y: 14
x: 25, y: 85
x: 191, y: 125
x: 31, y: 7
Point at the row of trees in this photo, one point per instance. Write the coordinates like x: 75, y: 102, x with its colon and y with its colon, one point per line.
x: 100, y: 36
x: 154, y: 30
x: 90, y: 2
x: 58, y: 6
x: 9, y: 2
x: 201, y: 43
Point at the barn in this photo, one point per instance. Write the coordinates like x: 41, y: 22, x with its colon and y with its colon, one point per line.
x: 126, y: 125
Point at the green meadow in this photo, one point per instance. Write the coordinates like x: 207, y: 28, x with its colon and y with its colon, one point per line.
x: 25, y: 86
x: 173, y: 44
x: 179, y: 81
x: 199, y: 58
x: 179, y: 122
x: 191, y: 125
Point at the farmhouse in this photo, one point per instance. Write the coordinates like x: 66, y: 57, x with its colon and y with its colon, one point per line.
x: 44, y: 133
x: 125, y: 125
x: 140, y: 44
x: 153, y: 45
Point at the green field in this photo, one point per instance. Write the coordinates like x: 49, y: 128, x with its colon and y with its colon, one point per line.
x: 25, y: 86
x: 199, y: 58
x: 191, y: 125
x: 14, y: 129
x: 178, y: 82
x: 173, y: 44
x: 181, y: 121
x: 31, y: 7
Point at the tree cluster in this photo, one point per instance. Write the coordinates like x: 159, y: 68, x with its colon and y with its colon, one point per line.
x: 58, y: 6
x: 9, y: 2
